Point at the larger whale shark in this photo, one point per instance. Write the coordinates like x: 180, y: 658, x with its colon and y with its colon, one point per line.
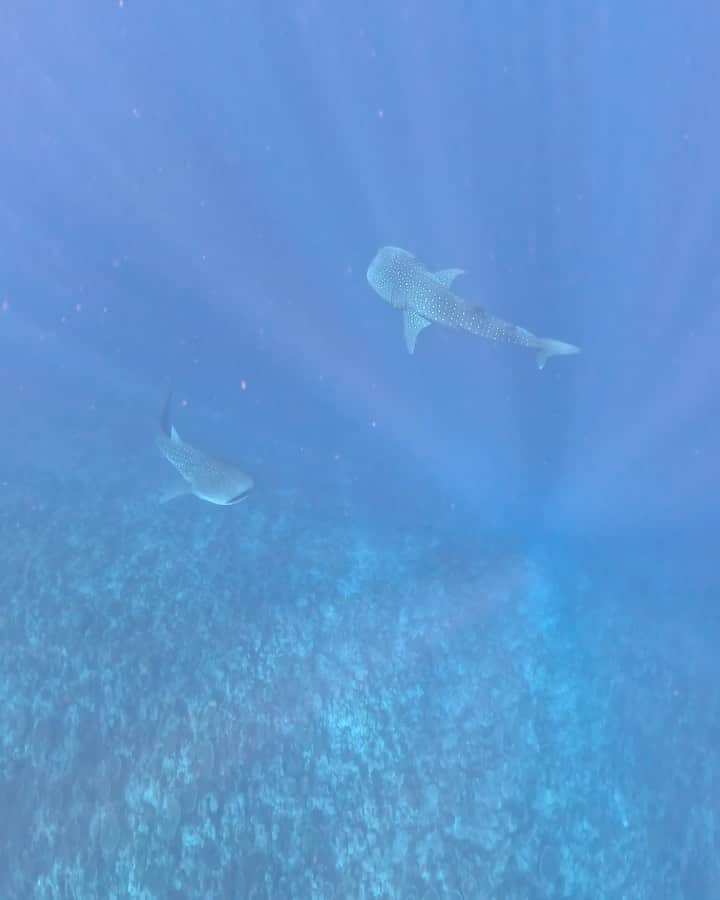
x: 207, y: 478
x: 425, y: 297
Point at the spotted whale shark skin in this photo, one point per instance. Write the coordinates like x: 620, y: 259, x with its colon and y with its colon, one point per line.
x: 425, y: 297
x: 204, y: 476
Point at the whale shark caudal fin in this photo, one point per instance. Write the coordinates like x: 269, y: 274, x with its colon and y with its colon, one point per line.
x: 548, y: 347
x: 413, y: 324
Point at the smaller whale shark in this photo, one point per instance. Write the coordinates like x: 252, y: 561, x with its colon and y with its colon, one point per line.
x: 425, y: 297
x: 209, y: 479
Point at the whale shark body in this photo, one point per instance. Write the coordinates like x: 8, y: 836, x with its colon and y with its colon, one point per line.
x: 207, y: 478
x: 425, y: 297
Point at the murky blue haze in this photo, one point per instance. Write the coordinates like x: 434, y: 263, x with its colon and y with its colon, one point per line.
x: 461, y: 639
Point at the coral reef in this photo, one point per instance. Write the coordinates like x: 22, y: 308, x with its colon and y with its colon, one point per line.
x: 264, y: 704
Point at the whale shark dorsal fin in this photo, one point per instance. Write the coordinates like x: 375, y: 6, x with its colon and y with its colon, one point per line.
x: 413, y: 324
x: 167, y: 428
x: 447, y: 276
x: 165, y: 425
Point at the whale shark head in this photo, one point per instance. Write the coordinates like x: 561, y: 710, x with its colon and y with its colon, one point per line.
x: 220, y: 483
x: 391, y: 275
x: 210, y: 479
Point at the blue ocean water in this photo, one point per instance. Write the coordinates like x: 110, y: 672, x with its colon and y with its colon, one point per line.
x: 461, y: 639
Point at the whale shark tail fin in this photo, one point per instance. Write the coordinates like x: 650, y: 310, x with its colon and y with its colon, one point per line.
x: 548, y: 347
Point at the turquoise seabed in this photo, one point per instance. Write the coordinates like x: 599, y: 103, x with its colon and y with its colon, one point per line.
x: 270, y: 702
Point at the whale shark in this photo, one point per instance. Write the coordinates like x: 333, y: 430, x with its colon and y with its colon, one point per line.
x: 426, y: 297
x: 207, y: 478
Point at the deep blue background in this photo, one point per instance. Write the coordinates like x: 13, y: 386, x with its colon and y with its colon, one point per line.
x: 192, y: 193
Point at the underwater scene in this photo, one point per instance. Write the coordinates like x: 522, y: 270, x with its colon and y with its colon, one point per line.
x: 360, y: 454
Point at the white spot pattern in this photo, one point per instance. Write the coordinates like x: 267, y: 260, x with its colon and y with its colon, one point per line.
x: 404, y: 282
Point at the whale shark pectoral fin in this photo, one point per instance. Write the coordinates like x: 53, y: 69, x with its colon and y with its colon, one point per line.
x: 413, y: 323
x: 179, y: 489
x: 447, y: 276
